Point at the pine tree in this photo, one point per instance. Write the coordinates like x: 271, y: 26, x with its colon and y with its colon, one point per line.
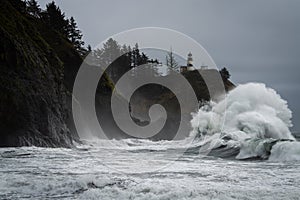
x: 136, y: 55
x: 107, y: 55
x: 127, y: 57
x: 144, y: 59
x: 74, y: 34
x: 56, y: 19
x: 111, y: 51
x: 33, y: 8
x: 225, y: 73
x: 171, y: 62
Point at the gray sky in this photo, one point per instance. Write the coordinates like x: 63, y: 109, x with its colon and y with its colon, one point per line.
x: 257, y: 40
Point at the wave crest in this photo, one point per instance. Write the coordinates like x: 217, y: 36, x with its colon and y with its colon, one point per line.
x: 252, y: 117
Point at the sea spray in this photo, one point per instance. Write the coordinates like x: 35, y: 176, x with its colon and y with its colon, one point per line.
x: 285, y: 151
x: 252, y: 117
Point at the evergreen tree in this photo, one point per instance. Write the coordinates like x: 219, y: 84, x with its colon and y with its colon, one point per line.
x: 225, y: 73
x: 171, y: 62
x: 124, y: 49
x: 127, y: 57
x: 74, y: 34
x: 56, y: 19
x: 136, y: 55
x: 33, y: 8
x: 111, y: 50
x: 120, y: 59
x: 144, y: 59
x: 107, y: 55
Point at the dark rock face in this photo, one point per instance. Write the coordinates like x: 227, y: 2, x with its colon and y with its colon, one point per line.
x: 206, y: 84
x: 33, y: 107
x: 145, y: 97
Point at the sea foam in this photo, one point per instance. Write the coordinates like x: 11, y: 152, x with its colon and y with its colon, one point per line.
x: 248, y: 117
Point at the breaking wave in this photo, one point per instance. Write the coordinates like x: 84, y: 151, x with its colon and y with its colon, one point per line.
x: 253, y: 121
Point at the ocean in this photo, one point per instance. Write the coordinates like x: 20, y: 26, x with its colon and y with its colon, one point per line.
x: 140, y: 169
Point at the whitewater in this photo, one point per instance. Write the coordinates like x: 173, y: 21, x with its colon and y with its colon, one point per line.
x: 239, y: 148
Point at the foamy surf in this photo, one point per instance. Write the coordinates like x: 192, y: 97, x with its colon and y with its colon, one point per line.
x: 253, y: 119
x: 45, y: 173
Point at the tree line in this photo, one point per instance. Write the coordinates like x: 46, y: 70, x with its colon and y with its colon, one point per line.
x: 54, y: 18
x: 122, y: 58
x: 127, y: 57
x: 119, y: 58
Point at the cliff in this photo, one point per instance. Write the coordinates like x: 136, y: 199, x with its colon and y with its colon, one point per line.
x: 147, y: 95
x: 38, y: 68
x: 151, y: 94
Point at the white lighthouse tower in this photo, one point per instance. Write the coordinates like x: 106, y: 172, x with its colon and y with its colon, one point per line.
x: 189, y: 65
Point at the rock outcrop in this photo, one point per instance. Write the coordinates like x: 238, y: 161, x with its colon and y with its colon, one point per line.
x: 37, y: 71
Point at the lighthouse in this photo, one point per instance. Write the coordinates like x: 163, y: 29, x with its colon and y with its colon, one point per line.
x: 189, y: 64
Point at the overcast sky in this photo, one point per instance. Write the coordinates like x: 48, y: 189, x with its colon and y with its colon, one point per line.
x: 257, y: 40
